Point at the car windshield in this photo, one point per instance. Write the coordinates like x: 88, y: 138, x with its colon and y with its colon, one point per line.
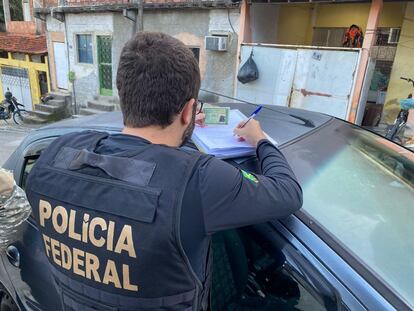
x: 360, y: 188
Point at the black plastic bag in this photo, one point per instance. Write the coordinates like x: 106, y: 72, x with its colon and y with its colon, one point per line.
x: 248, y: 72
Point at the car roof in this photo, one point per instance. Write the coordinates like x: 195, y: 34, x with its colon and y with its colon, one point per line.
x: 283, y: 124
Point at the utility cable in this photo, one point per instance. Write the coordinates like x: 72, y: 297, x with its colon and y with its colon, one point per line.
x: 228, y: 17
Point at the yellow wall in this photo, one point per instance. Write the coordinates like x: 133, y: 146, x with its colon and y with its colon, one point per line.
x: 294, y: 24
x: 296, y: 21
x: 346, y: 14
x: 32, y: 69
x: 403, y: 67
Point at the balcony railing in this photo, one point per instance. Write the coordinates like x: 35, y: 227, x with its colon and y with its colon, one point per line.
x: 72, y: 3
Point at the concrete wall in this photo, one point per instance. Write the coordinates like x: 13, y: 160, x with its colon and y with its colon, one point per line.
x: 403, y: 67
x: 190, y: 26
x: 123, y: 31
x: 87, y: 76
x: 55, y: 32
x: 263, y: 22
x: 217, y: 68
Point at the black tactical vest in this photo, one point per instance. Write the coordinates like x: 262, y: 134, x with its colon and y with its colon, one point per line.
x: 111, y: 225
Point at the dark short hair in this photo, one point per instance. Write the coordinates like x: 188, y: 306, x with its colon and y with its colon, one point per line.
x: 157, y: 75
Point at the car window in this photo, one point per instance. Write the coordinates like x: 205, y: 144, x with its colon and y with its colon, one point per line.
x: 248, y: 277
x: 31, y: 154
x: 27, y: 167
x: 359, y: 189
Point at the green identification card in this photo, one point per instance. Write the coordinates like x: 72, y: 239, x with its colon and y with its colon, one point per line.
x: 216, y: 115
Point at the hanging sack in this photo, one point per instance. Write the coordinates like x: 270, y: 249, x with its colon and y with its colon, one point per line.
x: 248, y: 72
x: 407, y: 103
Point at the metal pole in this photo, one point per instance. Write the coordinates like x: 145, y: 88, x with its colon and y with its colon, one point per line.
x: 6, y: 10
x: 140, y: 17
x: 139, y: 22
x: 370, y: 34
x: 38, y: 22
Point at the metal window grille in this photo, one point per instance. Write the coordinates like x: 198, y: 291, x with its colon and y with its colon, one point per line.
x: 105, y: 64
x: 332, y: 37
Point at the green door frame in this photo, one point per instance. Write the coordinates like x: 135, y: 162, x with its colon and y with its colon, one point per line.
x: 105, y: 64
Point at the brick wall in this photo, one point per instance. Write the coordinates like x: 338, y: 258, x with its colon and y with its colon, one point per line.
x: 50, y: 3
x: 19, y: 27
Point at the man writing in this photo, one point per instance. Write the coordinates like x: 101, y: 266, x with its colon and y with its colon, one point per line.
x: 126, y: 219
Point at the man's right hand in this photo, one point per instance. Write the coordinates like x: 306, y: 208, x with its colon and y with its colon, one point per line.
x: 251, y: 132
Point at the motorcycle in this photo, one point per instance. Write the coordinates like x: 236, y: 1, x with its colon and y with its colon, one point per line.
x: 11, y: 108
x: 396, y: 130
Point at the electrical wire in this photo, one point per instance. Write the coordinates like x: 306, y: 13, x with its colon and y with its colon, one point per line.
x: 228, y: 17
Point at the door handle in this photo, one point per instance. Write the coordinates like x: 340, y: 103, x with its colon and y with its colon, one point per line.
x: 13, y: 255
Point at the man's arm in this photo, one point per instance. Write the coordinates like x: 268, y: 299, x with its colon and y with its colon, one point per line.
x: 233, y: 198
x: 14, y: 209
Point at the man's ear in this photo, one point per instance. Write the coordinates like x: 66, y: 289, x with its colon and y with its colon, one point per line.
x: 187, y: 113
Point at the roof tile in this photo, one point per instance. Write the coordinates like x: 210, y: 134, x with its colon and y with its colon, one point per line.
x: 23, y: 43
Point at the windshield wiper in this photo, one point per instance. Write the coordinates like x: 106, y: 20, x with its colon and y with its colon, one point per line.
x: 306, y: 122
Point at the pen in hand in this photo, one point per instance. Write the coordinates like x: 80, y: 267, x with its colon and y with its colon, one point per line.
x: 253, y: 115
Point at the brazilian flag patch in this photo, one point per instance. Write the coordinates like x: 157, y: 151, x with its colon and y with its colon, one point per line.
x: 249, y: 176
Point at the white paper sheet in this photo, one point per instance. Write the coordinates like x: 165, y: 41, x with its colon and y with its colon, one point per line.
x: 219, y: 140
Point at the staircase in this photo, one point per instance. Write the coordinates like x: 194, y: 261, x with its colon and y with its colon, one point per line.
x: 53, y: 110
x: 99, y: 104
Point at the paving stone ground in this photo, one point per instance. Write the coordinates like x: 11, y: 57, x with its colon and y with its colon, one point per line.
x: 11, y: 135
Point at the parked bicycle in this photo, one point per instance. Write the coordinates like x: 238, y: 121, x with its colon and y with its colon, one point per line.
x: 395, y: 131
x: 10, y: 108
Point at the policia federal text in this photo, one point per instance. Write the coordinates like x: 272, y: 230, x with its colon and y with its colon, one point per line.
x: 82, y: 263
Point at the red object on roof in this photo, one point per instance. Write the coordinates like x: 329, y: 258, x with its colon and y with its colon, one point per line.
x: 23, y: 43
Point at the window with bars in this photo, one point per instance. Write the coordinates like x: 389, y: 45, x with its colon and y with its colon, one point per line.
x: 84, y: 44
x: 387, y: 36
x: 332, y: 37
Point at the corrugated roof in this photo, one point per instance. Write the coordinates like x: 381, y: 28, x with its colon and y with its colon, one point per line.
x: 23, y: 43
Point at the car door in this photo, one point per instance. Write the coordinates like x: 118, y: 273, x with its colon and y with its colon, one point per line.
x: 358, y: 190
x: 26, y: 262
x: 257, y: 268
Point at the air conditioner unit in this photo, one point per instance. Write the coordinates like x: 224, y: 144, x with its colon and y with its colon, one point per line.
x: 216, y: 43
x: 394, y: 35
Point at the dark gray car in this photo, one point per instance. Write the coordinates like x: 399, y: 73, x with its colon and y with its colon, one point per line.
x: 349, y: 248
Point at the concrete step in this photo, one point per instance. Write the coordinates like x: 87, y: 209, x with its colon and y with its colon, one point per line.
x: 49, y: 108
x: 89, y: 111
x: 107, y: 99
x: 56, y: 102
x: 31, y: 119
x: 101, y: 106
x: 41, y: 114
x: 60, y: 95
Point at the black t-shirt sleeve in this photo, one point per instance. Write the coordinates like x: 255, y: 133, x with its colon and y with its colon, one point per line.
x: 233, y: 198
